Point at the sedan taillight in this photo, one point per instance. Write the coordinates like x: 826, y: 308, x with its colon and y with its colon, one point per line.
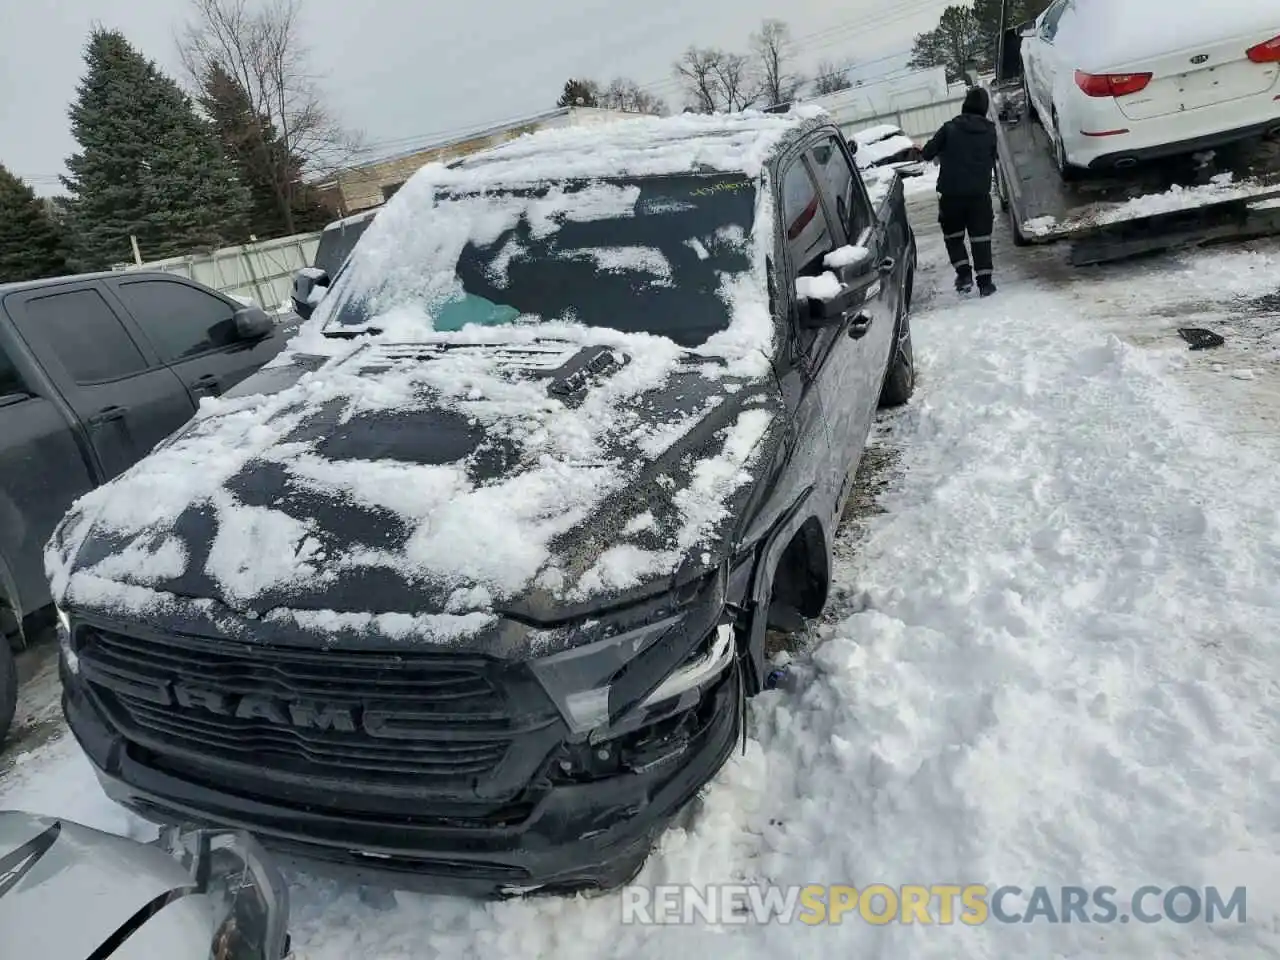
x: 1111, y: 84
x: 1268, y: 52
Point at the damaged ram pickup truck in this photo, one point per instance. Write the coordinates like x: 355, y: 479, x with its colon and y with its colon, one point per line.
x: 470, y: 584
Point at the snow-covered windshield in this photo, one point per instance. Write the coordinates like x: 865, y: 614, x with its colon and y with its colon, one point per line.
x: 654, y: 255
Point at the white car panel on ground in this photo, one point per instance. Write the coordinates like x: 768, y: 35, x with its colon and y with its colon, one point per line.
x: 1116, y: 81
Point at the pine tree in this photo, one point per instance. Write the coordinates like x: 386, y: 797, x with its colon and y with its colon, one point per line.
x: 957, y: 39
x: 281, y: 204
x: 579, y: 93
x: 148, y: 166
x: 30, y: 242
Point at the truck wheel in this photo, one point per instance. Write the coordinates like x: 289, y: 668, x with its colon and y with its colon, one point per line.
x: 900, y: 378
x: 8, y: 687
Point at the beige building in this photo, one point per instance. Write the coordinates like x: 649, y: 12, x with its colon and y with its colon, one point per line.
x: 371, y: 184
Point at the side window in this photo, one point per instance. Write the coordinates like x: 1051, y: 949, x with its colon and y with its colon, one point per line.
x: 87, y: 336
x: 809, y: 236
x: 11, y: 384
x: 1049, y: 29
x: 180, y: 320
x: 840, y: 184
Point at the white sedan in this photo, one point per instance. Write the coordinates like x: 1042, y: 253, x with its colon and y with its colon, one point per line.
x: 1118, y: 82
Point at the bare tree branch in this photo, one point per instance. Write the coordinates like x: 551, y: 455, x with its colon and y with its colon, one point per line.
x: 772, y: 47
x: 627, y: 95
x: 736, y: 79
x: 696, y: 68
x: 261, y: 48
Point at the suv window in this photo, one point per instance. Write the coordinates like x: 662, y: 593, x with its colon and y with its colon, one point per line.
x: 809, y: 236
x: 11, y: 384
x: 180, y: 320
x: 86, y: 335
x: 835, y: 173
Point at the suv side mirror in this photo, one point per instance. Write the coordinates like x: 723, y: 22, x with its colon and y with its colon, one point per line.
x: 252, y: 323
x: 833, y: 308
x: 310, y: 284
x: 1027, y: 29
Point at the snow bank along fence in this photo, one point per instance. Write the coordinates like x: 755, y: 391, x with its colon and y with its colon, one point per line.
x: 262, y: 271
x: 918, y: 123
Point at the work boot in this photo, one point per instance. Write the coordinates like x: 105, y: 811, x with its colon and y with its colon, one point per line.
x: 986, y: 287
x: 964, y: 280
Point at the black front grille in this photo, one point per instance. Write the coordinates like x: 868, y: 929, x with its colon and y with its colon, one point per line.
x: 301, y: 715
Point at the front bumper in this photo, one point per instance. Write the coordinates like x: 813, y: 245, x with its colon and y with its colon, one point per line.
x: 578, y: 835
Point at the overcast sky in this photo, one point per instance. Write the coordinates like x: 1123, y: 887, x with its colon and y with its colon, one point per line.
x: 405, y: 72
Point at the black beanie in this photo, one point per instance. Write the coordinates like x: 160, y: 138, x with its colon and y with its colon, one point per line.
x: 976, y: 101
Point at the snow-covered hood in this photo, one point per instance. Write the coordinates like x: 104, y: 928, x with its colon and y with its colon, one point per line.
x: 419, y: 492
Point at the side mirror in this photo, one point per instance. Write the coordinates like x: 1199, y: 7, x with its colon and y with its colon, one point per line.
x: 310, y: 284
x: 252, y: 323
x: 1028, y: 29
x: 827, y: 301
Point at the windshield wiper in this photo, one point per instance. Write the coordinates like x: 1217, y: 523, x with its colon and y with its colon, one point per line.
x: 351, y: 334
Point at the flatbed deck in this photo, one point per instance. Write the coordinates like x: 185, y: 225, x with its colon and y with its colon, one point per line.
x: 1153, y: 209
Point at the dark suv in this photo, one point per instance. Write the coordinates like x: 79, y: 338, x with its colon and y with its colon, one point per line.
x: 471, y: 585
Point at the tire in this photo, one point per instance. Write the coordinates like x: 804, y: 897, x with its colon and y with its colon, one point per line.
x: 8, y: 687
x: 1032, y: 112
x: 900, y: 378
x: 1068, y: 173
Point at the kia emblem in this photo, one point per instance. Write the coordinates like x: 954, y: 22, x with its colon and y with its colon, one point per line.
x: 1200, y: 58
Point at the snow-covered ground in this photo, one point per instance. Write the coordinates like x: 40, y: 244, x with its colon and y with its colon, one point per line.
x: 1052, y: 659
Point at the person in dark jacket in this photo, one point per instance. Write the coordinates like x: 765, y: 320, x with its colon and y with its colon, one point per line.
x: 965, y: 146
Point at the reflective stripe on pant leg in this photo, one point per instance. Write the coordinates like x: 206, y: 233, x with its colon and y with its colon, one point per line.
x: 983, y: 273
x: 953, y: 236
x: 980, y: 219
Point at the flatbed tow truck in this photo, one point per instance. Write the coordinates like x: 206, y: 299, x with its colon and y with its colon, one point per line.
x: 1230, y: 194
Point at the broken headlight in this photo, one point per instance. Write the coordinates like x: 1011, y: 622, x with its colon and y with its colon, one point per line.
x: 580, y: 681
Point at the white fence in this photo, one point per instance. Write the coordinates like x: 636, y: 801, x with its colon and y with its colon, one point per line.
x: 261, y: 271
x: 916, y: 122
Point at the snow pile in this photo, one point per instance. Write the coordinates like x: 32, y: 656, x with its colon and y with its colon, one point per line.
x: 876, y: 134
x: 649, y: 260
x: 1223, y: 187
x: 639, y: 146
x: 874, y: 153
x: 1105, y: 34
x: 845, y: 256
x: 825, y: 286
x: 701, y: 504
x: 878, y: 181
x: 926, y: 182
x: 1040, y: 226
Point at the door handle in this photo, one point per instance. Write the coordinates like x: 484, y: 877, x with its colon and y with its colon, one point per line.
x: 887, y: 266
x: 107, y: 415
x: 206, y: 384
x: 860, y: 326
